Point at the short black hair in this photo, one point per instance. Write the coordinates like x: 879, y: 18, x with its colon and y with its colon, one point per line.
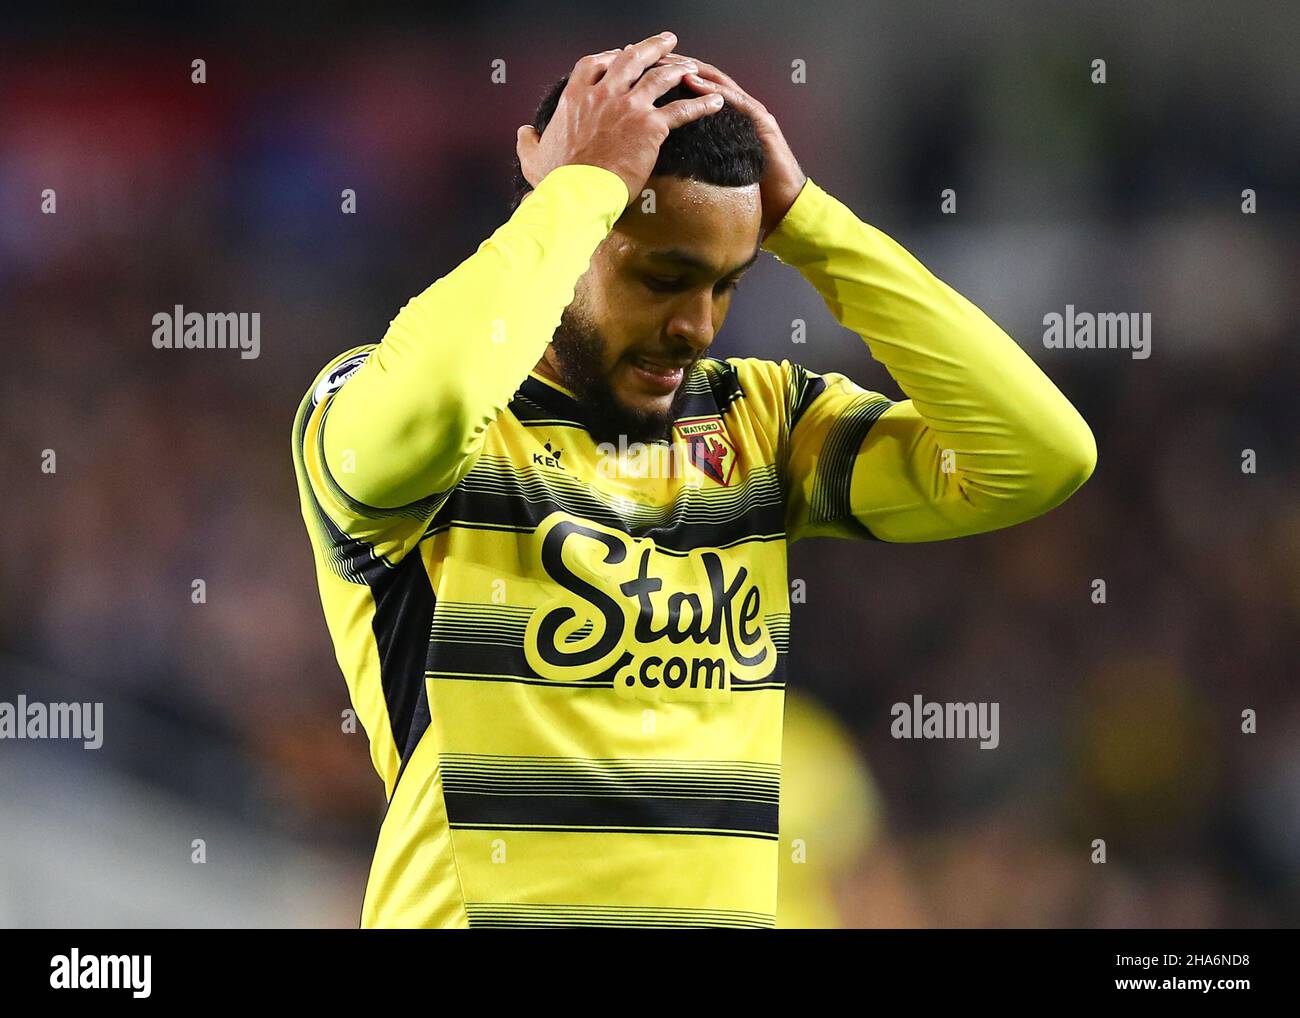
x: 720, y: 148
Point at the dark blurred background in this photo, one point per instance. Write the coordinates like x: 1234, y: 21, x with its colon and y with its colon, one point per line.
x: 1120, y: 721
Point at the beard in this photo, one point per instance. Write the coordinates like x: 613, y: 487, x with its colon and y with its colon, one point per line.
x: 580, y: 353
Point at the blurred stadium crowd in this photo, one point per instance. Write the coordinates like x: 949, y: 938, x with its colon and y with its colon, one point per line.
x: 1120, y: 721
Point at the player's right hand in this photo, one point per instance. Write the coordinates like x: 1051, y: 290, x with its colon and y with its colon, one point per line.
x: 606, y: 114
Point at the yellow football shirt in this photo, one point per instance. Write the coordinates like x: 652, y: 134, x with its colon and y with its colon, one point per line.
x: 570, y: 660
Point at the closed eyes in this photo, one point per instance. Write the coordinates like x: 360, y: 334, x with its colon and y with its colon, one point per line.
x: 660, y: 284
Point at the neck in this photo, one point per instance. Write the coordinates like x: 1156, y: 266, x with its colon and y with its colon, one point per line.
x: 544, y: 369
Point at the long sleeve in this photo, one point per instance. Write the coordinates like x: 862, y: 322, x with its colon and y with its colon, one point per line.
x: 410, y: 421
x: 985, y: 440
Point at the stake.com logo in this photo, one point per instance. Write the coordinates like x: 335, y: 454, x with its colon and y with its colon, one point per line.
x: 612, y: 610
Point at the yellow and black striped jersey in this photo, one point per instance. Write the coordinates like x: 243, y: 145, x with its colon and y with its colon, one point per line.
x: 570, y: 659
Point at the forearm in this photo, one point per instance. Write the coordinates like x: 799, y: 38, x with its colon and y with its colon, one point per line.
x: 985, y: 439
x: 413, y: 417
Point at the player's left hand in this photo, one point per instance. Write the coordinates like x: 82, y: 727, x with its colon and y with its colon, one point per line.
x: 782, y: 179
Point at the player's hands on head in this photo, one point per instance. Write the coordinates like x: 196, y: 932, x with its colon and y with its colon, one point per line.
x: 607, y: 116
x: 782, y: 179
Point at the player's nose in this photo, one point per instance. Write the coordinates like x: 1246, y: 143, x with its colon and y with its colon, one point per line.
x: 693, y: 325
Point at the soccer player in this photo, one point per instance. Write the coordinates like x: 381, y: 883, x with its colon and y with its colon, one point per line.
x: 550, y: 531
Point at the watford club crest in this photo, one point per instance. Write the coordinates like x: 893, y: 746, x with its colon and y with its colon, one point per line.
x: 708, y: 448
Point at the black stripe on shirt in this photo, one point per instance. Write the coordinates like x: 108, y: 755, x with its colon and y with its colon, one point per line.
x: 728, y: 798
x: 830, y: 501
